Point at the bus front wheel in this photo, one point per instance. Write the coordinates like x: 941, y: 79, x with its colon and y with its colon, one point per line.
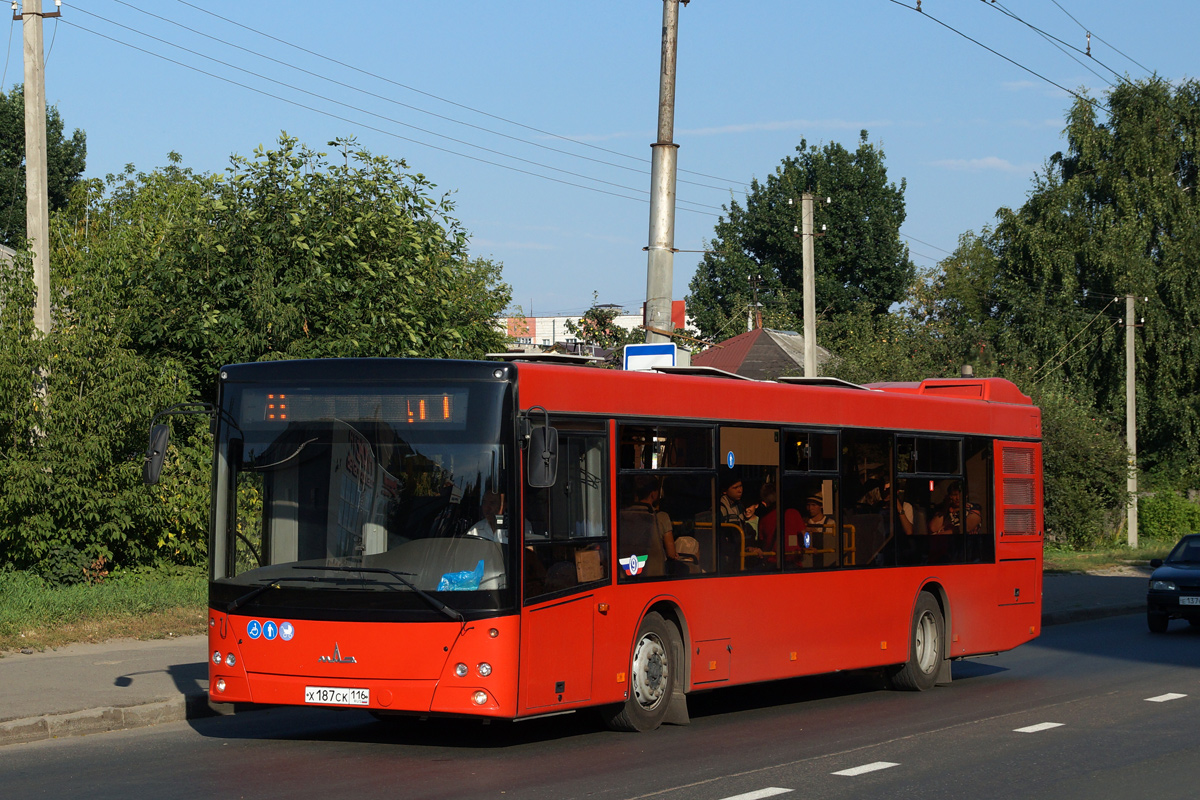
x: 651, y: 678
x: 925, y: 648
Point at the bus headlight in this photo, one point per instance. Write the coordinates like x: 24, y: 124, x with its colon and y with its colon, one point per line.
x: 217, y: 657
x: 485, y: 669
x: 460, y: 670
x: 230, y: 660
x: 479, y: 698
x: 220, y: 684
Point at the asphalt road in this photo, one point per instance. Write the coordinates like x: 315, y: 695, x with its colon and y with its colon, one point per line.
x: 1098, y: 709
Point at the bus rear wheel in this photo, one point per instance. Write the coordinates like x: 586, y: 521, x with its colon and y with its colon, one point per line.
x: 651, y: 678
x: 925, y: 648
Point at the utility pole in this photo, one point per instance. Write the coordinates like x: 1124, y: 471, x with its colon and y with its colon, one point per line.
x: 810, y: 286
x: 37, y: 195
x: 1131, y: 482
x: 806, y: 235
x: 661, y: 259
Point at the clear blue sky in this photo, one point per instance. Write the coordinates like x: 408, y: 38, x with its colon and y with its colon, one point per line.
x: 966, y: 128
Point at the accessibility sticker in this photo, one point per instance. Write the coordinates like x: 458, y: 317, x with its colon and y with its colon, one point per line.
x: 270, y: 630
x: 286, y: 631
x: 254, y: 629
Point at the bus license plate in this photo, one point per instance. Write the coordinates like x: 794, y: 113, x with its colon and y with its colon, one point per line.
x: 1189, y: 601
x: 337, y: 696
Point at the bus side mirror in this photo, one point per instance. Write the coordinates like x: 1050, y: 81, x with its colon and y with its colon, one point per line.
x: 152, y: 466
x: 541, y: 459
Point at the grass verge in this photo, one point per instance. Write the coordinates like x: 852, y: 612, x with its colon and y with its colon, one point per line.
x: 1105, y: 558
x: 151, y: 604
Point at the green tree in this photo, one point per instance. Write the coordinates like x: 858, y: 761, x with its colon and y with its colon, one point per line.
x: 286, y: 255
x: 64, y: 164
x: 598, y: 327
x: 756, y: 254
x: 74, y: 408
x: 1117, y: 213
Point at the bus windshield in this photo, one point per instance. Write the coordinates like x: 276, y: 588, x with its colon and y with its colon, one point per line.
x: 382, y: 488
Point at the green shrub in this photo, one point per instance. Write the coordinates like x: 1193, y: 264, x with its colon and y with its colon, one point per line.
x: 1165, y: 516
x: 75, y: 410
x: 1085, y: 466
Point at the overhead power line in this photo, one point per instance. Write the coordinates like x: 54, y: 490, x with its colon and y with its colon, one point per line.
x: 440, y: 98
x: 1093, y: 34
x: 393, y: 101
x: 392, y: 134
x: 997, y: 53
x: 381, y: 116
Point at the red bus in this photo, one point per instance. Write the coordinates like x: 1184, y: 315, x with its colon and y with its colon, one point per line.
x: 510, y: 539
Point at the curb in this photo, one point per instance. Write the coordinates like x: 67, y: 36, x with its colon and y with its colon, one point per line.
x: 1085, y: 614
x: 109, y: 718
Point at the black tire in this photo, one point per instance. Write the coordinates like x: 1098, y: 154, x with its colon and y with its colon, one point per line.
x: 1157, y: 621
x: 651, y: 677
x: 926, y: 648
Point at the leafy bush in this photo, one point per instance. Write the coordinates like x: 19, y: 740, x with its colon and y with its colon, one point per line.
x: 1165, y: 516
x: 75, y: 407
x: 1084, y: 463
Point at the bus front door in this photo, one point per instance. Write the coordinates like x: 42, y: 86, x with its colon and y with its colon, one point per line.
x: 556, y: 654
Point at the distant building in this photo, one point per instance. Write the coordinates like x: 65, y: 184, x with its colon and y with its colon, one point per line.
x: 552, y: 330
x: 762, y: 354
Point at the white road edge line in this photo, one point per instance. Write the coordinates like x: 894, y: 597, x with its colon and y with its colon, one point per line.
x: 1041, y: 726
x: 1162, y: 698
x: 770, y: 791
x: 865, y: 768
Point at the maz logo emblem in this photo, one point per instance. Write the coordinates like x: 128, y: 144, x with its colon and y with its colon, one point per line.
x: 337, y: 658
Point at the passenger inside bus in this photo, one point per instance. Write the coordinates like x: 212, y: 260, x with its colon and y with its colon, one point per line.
x: 645, y: 531
x: 821, y: 541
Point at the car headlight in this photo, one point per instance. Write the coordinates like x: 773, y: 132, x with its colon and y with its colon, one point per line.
x: 1163, y: 586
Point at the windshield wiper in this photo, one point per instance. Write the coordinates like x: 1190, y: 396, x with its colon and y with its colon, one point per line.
x: 428, y: 598
x: 257, y: 590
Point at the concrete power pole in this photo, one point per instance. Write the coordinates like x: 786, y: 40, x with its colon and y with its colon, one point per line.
x: 37, y: 195
x: 661, y: 260
x: 1131, y: 482
x: 810, y: 286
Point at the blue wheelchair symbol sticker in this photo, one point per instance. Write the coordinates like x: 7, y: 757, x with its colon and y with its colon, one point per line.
x: 270, y: 630
x: 287, y: 631
x: 254, y: 629
x: 807, y: 539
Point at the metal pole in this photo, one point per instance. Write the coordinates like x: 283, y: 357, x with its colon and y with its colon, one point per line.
x: 1131, y: 482
x: 661, y: 259
x: 810, y: 286
x: 37, y: 202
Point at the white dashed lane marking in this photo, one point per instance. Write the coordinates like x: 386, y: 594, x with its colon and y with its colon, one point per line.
x: 770, y: 791
x: 865, y: 768
x: 1041, y: 726
x: 1162, y: 698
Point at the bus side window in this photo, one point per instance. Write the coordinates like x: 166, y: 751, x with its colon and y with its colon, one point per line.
x: 566, y: 525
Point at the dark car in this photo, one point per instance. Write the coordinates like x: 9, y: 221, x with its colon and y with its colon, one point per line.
x: 1174, y: 591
